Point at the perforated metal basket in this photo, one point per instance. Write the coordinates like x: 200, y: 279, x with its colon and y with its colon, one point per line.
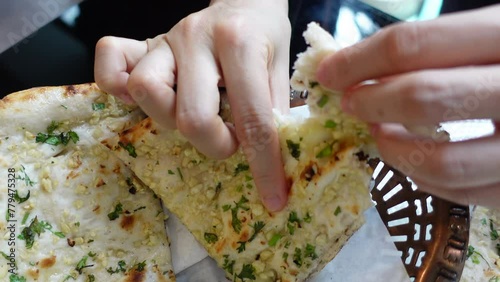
x: 432, y: 234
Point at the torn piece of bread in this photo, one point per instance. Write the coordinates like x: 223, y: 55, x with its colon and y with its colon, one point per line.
x: 324, y: 160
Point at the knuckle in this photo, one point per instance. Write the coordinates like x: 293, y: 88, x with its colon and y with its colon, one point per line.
x: 403, y: 45
x: 255, y: 131
x: 232, y: 31
x: 192, y: 124
x: 106, y: 42
x: 191, y: 26
x: 426, y: 97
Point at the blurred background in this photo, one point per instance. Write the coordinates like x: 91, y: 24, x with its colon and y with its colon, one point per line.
x: 42, y: 46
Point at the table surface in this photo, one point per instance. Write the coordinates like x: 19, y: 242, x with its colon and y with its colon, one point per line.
x: 20, y: 19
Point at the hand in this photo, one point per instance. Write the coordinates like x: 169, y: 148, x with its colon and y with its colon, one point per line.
x: 242, y: 45
x: 429, y: 72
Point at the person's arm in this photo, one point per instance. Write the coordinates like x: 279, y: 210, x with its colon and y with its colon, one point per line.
x: 429, y: 72
x: 242, y: 45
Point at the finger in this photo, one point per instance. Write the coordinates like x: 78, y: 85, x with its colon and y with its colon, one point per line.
x: 245, y: 70
x: 427, y: 97
x: 115, y: 58
x: 415, y: 45
x: 197, y: 105
x: 451, y: 165
x: 483, y: 195
x: 151, y: 83
x: 279, y: 83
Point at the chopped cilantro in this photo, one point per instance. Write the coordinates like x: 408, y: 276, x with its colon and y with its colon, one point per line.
x: 36, y: 228
x: 241, y: 247
x: 16, y: 278
x: 493, y: 231
x: 308, y: 218
x: 228, y: 264
x: 98, y: 106
x: 226, y: 207
x: 129, y: 148
x: 52, y: 127
x: 285, y: 256
x: 170, y: 172
x: 293, y: 148
x: 297, y: 257
x: 313, y: 84
x: 180, y: 174
x: 257, y: 227
x: 330, y: 124
x: 325, y: 152
x: 293, y: 222
x: 484, y: 221
x: 121, y: 268
x: 116, y: 213
x: 25, y: 217
x: 274, y: 240
x: 241, y: 167
x: 82, y: 264
x: 322, y: 101
x: 90, y: 278
x: 310, y: 252
x: 337, y: 211
x: 140, y: 266
x: 475, y: 255
x: 247, y: 272
x: 53, y: 138
x: 494, y: 279
x: 68, y: 277
x: 236, y: 222
x: 218, y: 188
x: 25, y: 178
x: 210, y: 237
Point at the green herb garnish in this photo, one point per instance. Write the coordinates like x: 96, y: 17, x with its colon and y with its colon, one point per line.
x: 98, y: 106
x: 247, y: 272
x: 274, y: 240
x: 20, y: 199
x: 325, y: 152
x: 180, y: 174
x: 121, y: 268
x: 241, y: 167
x: 493, y: 231
x: 82, y: 264
x: 330, y: 124
x: 116, y: 213
x: 337, y: 211
x: 228, y: 264
x: 16, y: 278
x: 310, y: 252
x: 308, y: 218
x: 293, y: 148
x: 297, y: 257
x: 322, y: 101
x: 25, y: 178
x: 140, y: 266
x: 236, y: 222
x: 210, y: 237
x: 257, y: 227
x: 241, y: 247
x: 129, y: 148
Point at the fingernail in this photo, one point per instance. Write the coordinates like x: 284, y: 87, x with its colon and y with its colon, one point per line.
x: 273, y: 203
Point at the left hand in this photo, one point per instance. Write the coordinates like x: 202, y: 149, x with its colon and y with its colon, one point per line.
x: 429, y: 72
x: 242, y: 45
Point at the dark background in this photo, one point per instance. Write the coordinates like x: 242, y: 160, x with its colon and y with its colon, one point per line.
x: 58, y: 54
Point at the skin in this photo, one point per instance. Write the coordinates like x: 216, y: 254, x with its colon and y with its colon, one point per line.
x: 429, y: 72
x: 174, y: 78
